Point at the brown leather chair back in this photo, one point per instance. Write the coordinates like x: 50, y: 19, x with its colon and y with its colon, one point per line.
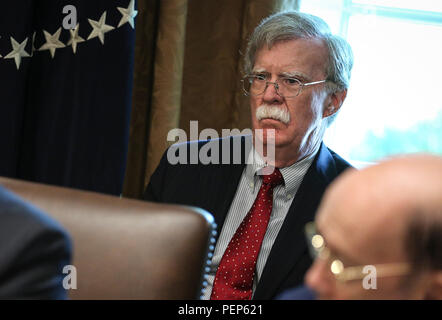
x: 124, y: 248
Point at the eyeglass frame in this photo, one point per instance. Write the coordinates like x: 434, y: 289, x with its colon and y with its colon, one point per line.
x: 344, y: 274
x: 276, y: 85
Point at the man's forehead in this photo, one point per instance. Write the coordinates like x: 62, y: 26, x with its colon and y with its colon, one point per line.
x: 354, y: 218
x: 288, y: 71
x: 293, y: 56
x: 349, y: 202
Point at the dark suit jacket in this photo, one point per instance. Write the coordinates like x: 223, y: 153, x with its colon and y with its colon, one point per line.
x: 33, y: 251
x: 213, y: 186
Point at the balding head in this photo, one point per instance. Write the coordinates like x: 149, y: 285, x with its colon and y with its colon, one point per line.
x: 366, y: 216
x: 401, y: 183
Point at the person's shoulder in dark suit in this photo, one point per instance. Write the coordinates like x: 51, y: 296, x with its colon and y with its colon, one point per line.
x: 34, y: 249
x: 298, y: 293
x: 182, y: 163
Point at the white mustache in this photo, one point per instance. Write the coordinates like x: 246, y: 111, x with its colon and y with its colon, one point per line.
x: 265, y: 111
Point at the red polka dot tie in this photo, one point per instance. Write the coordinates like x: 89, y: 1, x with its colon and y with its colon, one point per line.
x: 234, y: 277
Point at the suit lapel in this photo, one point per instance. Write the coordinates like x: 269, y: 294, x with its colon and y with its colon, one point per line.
x: 222, y: 181
x: 290, y: 244
x: 224, y: 191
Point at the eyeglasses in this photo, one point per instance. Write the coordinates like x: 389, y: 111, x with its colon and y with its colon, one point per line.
x: 318, y: 249
x: 286, y: 87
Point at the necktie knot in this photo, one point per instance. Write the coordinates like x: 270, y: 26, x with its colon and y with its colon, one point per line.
x: 274, y: 179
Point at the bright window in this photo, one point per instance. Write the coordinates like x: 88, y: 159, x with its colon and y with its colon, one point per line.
x: 394, y: 103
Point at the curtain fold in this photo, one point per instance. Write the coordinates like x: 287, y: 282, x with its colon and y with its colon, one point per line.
x: 168, y: 75
x: 196, y: 75
x: 145, y: 45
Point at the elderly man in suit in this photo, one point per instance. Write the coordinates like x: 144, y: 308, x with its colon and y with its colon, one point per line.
x: 296, y: 75
x: 33, y: 251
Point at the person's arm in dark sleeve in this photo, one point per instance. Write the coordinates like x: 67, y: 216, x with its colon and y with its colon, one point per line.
x: 34, y: 252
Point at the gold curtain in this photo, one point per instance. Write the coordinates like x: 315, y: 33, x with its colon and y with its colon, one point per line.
x: 188, y: 66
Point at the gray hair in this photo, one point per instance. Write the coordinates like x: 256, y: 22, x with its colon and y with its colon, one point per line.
x: 294, y: 25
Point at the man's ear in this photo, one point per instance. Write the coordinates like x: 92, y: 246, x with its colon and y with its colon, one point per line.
x: 434, y: 291
x: 334, y: 102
